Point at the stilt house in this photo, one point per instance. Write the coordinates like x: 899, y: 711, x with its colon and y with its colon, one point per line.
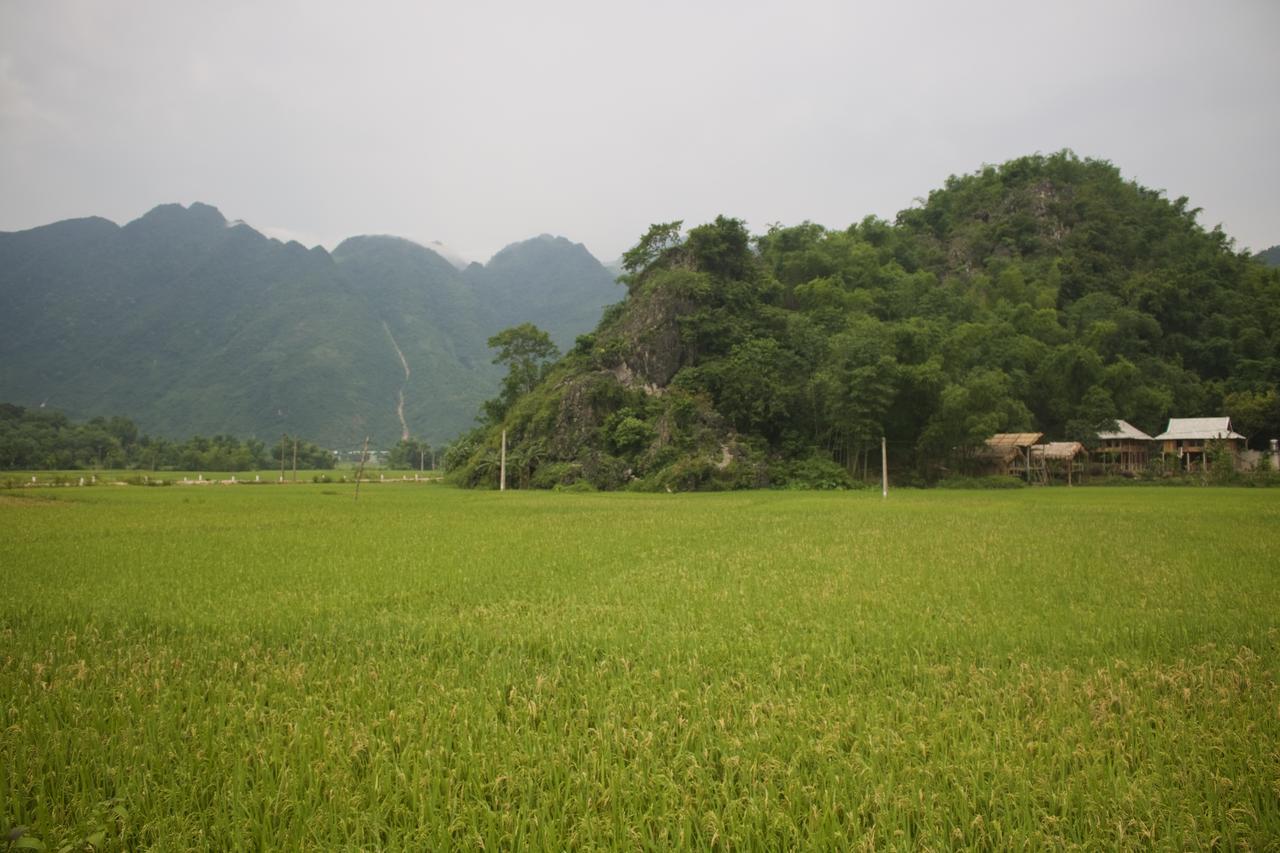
x: 1008, y: 453
x: 1125, y: 449
x: 1064, y: 456
x: 1189, y: 439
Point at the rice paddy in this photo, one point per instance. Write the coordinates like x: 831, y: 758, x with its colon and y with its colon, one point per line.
x: 427, y: 668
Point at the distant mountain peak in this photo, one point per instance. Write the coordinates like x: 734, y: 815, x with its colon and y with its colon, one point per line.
x: 540, y: 244
x: 450, y: 254
x: 197, y: 212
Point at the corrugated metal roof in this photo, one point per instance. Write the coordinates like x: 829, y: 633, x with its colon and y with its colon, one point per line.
x: 1126, y: 430
x: 1198, y: 428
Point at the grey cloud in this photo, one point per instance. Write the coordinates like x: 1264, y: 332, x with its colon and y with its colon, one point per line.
x: 483, y: 123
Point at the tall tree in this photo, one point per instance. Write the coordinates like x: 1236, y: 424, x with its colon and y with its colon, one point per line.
x: 527, y: 352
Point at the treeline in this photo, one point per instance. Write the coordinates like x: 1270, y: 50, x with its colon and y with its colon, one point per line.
x: 1045, y: 294
x: 44, y: 439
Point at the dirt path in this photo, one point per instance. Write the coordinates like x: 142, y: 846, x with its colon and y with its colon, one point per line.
x: 404, y: 362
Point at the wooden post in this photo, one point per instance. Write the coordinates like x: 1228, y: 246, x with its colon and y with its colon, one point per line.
x: 502, y: 470
x: 360, y: 471
x: 422, y: 458
x: 295, y: 460
x: 283, y: 436
x: 884, y: 468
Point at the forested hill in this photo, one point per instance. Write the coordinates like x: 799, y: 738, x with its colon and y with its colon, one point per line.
x: 191, y: 324
x: 1048, y: 293
x: 1270, y: 257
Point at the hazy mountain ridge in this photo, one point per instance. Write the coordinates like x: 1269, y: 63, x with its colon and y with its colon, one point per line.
x: 191, y: 324
x: 552, y: 282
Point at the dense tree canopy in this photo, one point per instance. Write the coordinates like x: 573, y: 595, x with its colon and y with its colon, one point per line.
x: 1047, y: 293
x: 43, y: 439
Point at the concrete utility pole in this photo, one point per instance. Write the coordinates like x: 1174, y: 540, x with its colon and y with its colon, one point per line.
x: 283, y: 436
x: 502, y: 470
x: 884, y: 468
x: 295, y: 460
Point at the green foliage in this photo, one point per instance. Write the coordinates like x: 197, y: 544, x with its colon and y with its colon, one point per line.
x: 990, y: 482
x: 527, y: 353
x: 43, y: 439
x: 410, y: 453
x: 659, y: 241
x: 628, y: 434
x: 815, y: 472
x: 1046, y: 294
x: 1254, y: 413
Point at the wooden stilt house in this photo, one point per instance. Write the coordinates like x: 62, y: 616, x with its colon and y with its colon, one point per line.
x: 1190, y: 438
x: 1125, y: 449
x: 1008, y: 453
x: 1059, y: 457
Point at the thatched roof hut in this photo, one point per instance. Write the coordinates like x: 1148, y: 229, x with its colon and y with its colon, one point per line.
x: 1007, y: 452
x: 1057, y: 455
x: 1057, y: 451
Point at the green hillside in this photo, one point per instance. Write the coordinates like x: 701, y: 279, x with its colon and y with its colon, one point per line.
x: 1048, y: 293
x: 189, y: 324
x: 548, y: 281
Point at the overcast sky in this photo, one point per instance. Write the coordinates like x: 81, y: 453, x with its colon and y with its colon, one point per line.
x: 482, y: 123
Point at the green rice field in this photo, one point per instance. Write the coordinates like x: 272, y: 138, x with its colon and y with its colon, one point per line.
x: 231, y: 668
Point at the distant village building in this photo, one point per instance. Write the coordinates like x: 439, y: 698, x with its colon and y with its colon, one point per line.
x: 1064, y: 456
x: 1008, y: 453
x: 1126, y: 448
x: 1189, y: 439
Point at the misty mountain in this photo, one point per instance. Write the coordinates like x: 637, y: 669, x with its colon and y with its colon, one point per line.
x: 548, y: 281
x: 190, y: 324
x: 1270, y: 257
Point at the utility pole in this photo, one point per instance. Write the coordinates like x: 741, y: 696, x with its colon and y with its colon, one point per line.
x: 422, y: 458
x: 884, y: 467
x: 283, y: 436
x: 502, y: 473
x: 295, y: 460
x: 360, y: 471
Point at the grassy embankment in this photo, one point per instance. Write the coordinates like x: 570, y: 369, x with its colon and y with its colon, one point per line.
x: 230, y: 668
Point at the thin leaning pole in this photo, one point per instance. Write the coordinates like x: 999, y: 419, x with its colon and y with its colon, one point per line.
x: 360, y: 471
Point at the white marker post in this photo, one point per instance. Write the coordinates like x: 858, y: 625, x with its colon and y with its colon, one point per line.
x: 884, y: 468
x: 502, y: 468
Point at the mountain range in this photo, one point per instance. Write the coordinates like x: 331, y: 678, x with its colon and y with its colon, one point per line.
x: 191, y: 324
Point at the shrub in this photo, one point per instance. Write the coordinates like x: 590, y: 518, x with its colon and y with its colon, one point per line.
x: 995, y: 481
x: 576, y: 486
x: 556, y: 475
x: 815, y: 472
